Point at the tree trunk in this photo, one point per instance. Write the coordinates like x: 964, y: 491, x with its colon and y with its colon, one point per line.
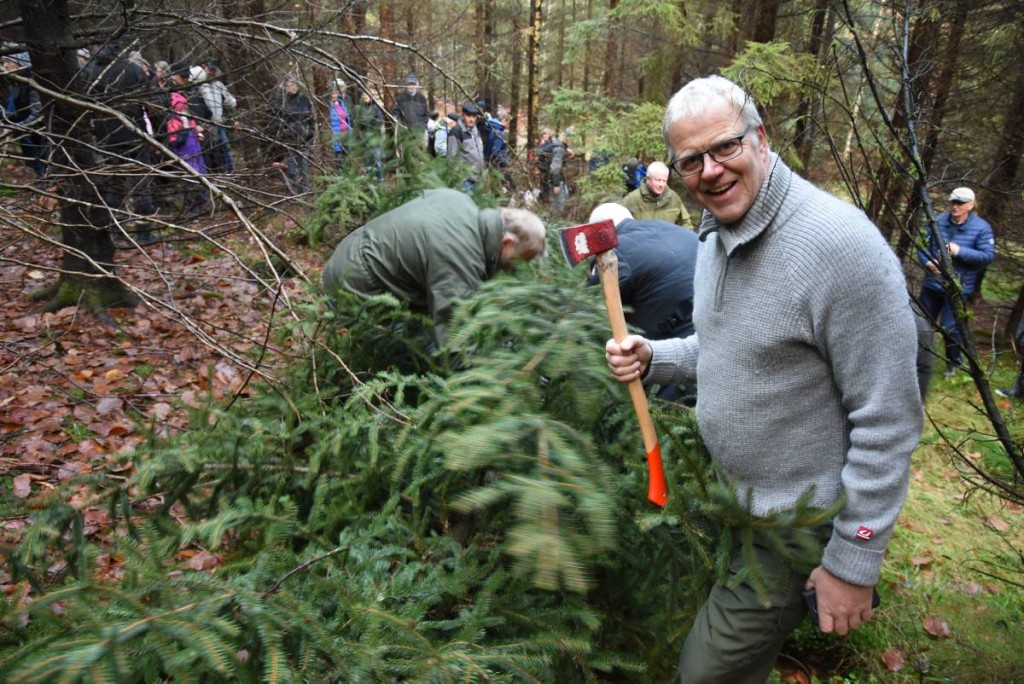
x: 940, y: 86
x: 887, y: 197
x: 611, y: 60
x: 588, y: 49
x: 572, y: 64
x: 321, y: 76
x: 480, y: 46
x: 87, y: 263
x: 803, y: 134
x: 743, y: 15
x: 765, y: 20
x: 1000, y: 185
x: 515, y: 83
x: 489, y: 87
x: 389, y: 66
x: 533, y: 73
x: 353, y: 23
x: 427, y: 8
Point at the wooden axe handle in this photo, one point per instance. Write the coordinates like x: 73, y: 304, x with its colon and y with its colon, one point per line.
x: 608, y: 271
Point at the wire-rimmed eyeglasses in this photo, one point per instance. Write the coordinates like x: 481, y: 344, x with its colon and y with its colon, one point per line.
x: 721, y: 152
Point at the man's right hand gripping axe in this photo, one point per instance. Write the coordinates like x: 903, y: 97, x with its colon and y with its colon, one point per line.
x: 579, y: 243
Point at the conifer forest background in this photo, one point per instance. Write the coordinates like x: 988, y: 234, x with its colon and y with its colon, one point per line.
x: 211, y: 473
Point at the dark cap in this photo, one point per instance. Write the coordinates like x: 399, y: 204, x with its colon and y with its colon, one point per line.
x: 412, y: 79
x: 470, y: 108
x: 453, y: 116
x: 481, y: 105
x: 180, y: 69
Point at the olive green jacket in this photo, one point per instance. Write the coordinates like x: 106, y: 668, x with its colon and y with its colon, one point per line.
x: 667, y: 207
x: 428, y: 252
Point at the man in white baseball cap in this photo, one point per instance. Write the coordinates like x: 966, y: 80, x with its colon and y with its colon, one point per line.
x: 971, y: 245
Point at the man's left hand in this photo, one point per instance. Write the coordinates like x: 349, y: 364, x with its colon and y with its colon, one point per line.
x: 953, y: 248
x: 842, y: 607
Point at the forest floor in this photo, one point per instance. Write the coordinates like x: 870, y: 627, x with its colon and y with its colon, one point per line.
x: 77, y: 392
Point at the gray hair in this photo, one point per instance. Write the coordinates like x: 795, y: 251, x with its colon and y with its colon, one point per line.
x: 161, y: 64
x: 610, y: 211
x: 526, y: 227
x: 657, y: 165
x: 136, y: 58
x: 700, y: 94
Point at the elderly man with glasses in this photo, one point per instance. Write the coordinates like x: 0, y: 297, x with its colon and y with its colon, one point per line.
x: 968, y: 239
x: 654, y: 200
x: 804, y: 355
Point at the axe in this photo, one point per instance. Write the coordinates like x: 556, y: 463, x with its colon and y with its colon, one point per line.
x: 599, y: 239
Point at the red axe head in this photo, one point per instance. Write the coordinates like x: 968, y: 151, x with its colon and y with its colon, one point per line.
x: 579, y: 243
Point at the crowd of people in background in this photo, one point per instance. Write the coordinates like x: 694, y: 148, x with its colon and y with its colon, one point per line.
x: 188, y: 106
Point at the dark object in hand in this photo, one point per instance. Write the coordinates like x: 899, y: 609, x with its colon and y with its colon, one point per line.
x: 811, y: 599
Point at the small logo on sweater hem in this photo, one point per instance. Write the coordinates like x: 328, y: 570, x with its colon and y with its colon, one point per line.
x: 864, y: 533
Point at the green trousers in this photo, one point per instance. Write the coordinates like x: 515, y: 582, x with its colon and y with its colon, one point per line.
x: 738, y: 634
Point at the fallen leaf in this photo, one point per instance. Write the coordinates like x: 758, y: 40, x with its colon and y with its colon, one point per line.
x: 997, y: 523
x: 112, y: 428
x: 27, y: 323
x: 973, y: 455
x: 36, y: 275
x: 90, y: 448
x: 910, y: 525
x: 204, y: 560
x: 68, y: 471
x: 188, y: 398
x: 161, y: 411
x: 893, y: 659
x: 921, y: 561
x: 937, y: 627
x: 109, y: 405
x: 84, y: 413
x: 23, y: 486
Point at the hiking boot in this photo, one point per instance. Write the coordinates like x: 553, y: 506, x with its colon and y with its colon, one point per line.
x: 1014, y: 393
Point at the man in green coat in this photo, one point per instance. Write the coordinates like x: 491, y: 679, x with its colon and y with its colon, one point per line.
x: 432, y: 251
x: 654, y: 200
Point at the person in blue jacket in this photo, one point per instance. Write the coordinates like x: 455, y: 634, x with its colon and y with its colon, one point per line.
x: 657, y: 261
x: 338, y: 108
x: 971, y: 245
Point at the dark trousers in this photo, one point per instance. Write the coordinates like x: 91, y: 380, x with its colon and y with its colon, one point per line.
x: 32, y: 147
x: 739, y: 632
x: 925, y: 352
x: 937, y: 310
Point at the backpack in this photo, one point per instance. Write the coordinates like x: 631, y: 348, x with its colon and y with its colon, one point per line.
x: 459, y: 133
x: 431, y: 139
x: 544, y: 154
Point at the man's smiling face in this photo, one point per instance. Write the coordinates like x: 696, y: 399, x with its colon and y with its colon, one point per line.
x: 726, y: 189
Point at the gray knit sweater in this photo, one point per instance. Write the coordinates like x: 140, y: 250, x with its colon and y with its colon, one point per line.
x: 806, y: 364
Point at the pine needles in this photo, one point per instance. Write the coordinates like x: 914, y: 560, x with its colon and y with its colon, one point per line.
x: 391, y: 514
